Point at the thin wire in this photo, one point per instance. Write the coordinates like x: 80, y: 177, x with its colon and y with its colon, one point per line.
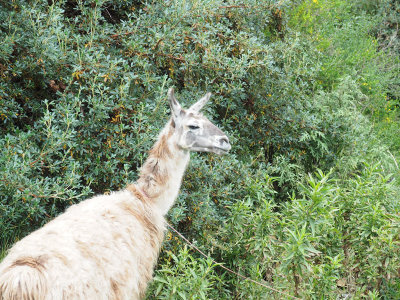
x: 227, y: 269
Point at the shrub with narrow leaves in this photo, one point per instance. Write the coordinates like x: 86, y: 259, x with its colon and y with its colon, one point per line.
x: 306, y: 202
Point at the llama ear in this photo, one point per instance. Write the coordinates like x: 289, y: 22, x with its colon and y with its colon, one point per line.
x: 199, y: 104
x: 174, y: 104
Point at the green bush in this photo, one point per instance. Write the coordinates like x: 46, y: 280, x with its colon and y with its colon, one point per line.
x: 301, y: 87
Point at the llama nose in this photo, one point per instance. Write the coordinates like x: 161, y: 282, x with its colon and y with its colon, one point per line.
x: 224, y: 142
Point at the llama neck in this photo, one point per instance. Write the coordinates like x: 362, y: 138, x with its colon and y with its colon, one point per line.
x: 161, y: 175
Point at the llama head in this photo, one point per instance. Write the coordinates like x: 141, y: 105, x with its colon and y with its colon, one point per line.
x: 194, y: 131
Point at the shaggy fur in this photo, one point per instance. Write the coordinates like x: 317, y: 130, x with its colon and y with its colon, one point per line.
x: 102, y: 248
x: 105, y: 247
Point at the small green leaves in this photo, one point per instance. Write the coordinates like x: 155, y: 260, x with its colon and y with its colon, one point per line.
x: 308, y: 92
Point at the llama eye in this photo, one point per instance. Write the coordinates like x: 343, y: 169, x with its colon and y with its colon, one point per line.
x: 193, y: 127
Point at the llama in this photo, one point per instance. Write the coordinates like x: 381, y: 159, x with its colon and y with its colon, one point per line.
x: 106, y: 247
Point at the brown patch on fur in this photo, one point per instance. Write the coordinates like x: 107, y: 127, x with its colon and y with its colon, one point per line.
x: 152, y: 175
x: 27, y: 284
x: 61, y: 257
x: 171, y: 129
x: 156, y: 173
x: 116, y: 235
x: 33, y: 262
x: 84, y: 249
x: 135, y: 191
x: 161, y: 149
x: 115, y: 289
x: 88, y: 253
x: 148, y: 225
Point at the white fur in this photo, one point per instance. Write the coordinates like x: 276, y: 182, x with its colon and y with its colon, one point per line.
x: 85, y: 250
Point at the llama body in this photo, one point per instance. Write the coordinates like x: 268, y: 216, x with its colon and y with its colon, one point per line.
x: 106, y: 247
x: 101, y: 248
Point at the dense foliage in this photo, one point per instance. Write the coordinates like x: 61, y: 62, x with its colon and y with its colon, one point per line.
x: 308, y: 91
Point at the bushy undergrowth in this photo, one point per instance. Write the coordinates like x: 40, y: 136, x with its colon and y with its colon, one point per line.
x: 306, y: 202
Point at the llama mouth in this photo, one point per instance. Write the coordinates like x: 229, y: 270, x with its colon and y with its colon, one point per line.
x: 221, y: 150
x: 216, y: 150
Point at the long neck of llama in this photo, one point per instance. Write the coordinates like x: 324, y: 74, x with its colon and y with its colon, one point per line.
x: 161, y: 175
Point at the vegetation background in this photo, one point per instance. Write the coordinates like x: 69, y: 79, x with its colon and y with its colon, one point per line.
x: 307, y: 202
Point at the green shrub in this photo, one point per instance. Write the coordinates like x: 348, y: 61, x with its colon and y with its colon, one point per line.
x: 301, y: 87
x: 186, y: 277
